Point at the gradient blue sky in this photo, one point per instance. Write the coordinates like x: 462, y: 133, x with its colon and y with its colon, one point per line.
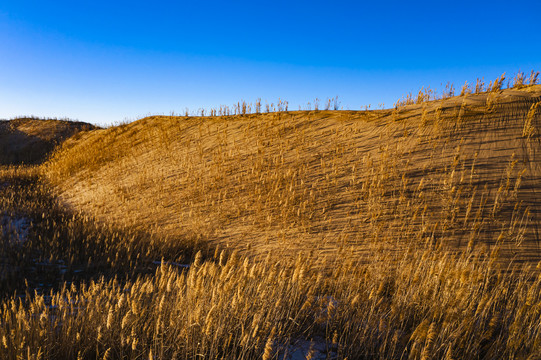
x: 110, y: 61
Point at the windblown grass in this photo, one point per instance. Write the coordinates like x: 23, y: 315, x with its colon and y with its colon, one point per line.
x: 430, y: 305
x: 457, y: 170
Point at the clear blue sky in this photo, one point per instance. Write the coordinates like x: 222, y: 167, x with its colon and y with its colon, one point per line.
x: 108, y: 61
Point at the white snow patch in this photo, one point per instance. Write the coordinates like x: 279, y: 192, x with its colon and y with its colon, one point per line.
x: 15, y: 229
x: 299, y: 349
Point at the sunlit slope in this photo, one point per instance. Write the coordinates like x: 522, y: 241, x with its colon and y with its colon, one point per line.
x: 29, y: 140
x: 463, y: 173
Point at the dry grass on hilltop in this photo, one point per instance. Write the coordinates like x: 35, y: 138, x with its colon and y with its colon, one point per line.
x: 462, y: 171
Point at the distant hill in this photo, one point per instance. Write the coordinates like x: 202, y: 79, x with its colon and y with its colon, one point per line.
x: 31, y: 140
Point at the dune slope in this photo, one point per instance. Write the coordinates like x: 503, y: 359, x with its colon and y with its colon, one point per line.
x: 462, y: 173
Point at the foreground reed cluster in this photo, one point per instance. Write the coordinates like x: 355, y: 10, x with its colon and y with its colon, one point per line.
x: 435, y: 305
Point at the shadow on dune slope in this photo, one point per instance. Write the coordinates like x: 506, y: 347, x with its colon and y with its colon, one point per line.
x: 43, y: 244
